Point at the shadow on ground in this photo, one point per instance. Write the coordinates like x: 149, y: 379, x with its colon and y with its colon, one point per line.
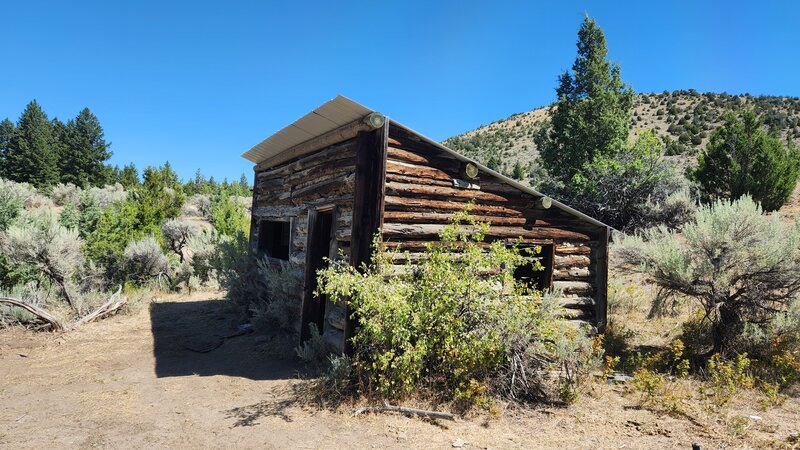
x: 198, y: 338
x: 278, y: 404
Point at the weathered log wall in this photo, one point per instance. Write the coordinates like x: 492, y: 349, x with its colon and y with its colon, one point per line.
x: 320, y: 180
x: 425, y: 185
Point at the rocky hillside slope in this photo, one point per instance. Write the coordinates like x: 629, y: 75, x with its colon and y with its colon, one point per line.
x: 683, y: 119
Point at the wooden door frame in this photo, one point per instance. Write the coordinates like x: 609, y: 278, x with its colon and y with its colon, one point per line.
x: 310, y: 307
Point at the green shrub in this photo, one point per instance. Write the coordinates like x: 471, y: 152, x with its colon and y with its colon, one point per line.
x: 70, y: 217
x: 739, y: 265
x: 10, y: 207
x: 619, y: 189
x: 741, y: 158
x: 454, y: 324
x: 229, y: 217
x: 144, y: 260
x: 726, y: 378
x: 40, y: 242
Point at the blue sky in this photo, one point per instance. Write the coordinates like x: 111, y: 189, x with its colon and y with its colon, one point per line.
x: 198, y: 83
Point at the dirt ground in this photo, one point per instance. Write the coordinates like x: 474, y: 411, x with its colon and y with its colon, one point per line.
x: 132, y: 382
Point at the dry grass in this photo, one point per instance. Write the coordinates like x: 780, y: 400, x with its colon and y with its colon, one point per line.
x: 130, y: 382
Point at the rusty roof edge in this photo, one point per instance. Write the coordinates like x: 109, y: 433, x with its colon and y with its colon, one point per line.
x: 505, y: 179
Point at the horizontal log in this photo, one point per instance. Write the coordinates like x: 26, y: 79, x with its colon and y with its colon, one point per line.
x: 571, y: 261
x: 328, y: 188
x: 404, y: 155
x: 337, y: 162
x: 391, y: 177
x: 401, y: 168
x: 443, y: 218
x: 330, y: 168
x: 572, y: 274
x: 344, y: 150
x: 582, y: 288
x: 576, y: 302
x: 414, y: 190
x: 277, y: 211
x: 433, y: 231
x: 573, y: 250
x: 411, y: 245
x: 343, y: 133
x: 578, y: 314
x: 399, y: 203
x: 300, y: 184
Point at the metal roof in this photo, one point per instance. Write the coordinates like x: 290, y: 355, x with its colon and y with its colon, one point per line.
x: 331, y: 115
x: 341, y: 111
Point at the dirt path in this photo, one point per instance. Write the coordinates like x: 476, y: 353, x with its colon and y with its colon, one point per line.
x: 130, y: 382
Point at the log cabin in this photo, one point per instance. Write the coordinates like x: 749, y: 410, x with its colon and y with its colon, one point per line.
x: 328, y: 183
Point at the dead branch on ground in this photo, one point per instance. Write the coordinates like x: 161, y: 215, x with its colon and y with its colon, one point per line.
x: 405, y: 410
x: 113, y: 304
x: 36, y: 311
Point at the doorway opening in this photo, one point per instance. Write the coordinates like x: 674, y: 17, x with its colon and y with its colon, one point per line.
x: 320, y: 237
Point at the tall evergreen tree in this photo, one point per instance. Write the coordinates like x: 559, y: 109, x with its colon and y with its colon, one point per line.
x: 31, y: 154
x: 85, y: 152
x: 128, y: 177
x: 593, y: 111
x: 7, y: 130
x: 743, y: 158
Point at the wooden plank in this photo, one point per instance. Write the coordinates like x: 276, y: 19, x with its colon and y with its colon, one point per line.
x: 601, y: 268
x: 368, y: 207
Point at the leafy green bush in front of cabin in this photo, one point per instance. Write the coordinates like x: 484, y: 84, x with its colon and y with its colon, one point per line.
x: 457, y: 325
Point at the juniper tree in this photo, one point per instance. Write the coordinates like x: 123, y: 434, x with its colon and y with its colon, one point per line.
x: 742, y: 158
x: 592, y: 115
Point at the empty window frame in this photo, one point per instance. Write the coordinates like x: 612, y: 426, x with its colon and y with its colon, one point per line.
x: 540, y: 279
x: 274, y: 238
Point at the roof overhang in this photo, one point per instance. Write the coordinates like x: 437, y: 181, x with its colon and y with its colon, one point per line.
x: 341, y: 111
x: 328, y: 117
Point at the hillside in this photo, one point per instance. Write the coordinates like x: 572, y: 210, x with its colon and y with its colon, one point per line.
x: 683, y: 119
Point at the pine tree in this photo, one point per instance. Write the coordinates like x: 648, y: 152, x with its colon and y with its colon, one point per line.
x: 7, y: 130
x: 31, y: 154
x: 519, y: 172
x: 85, y: 152
x: 742, y: 158
x: 128, y: 177
x: 593, y: 111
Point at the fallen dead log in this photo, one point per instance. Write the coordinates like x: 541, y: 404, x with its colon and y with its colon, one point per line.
x: 404, y: 410
x: 113, y: 304
x: 36, y: 311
